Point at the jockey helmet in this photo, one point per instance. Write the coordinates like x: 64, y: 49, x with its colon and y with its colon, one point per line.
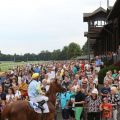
x: 35, y: 76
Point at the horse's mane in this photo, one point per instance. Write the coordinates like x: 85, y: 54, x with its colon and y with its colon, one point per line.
x: 51, y: 89
x: 51, y: 94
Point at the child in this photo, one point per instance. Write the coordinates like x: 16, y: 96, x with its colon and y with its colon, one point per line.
x: 106, y: 109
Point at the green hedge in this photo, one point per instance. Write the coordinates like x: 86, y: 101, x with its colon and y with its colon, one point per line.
x: 103, y: 71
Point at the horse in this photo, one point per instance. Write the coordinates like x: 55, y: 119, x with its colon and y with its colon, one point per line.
x: 21, y: 110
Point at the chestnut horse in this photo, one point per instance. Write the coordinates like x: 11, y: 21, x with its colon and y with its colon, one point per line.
x: 20, y: 110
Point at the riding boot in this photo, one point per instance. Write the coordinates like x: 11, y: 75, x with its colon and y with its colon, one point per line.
x: 40, y: 105
x: 42, y: 102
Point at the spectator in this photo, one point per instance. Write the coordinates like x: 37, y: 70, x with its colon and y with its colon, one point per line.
x: 95, y: 78
x: 6, y: 85
x: 85, y: 86
x: 75, y: 85
x: 108, y: 76
x: 64, y: 98
x: 58, y: 76
x: 105, y: 91
x: 93, y: 101
x: 36, y: 69
x: 114, y: 99
x: 87, y: 65
x: 2, y: 94
x: 115, y: 74
x: 51, y: 73
x: 77, y: 77
x: 23, y: 88
x: 42, y: 76
x: 91, y: 88
x: 10, y: 97
x: 88, y: 72
x: 82, y: 65
x: 46, y: 78
x: 66, y: 82
x: 98, y: 63
x: 71, y: 95
x: 19, y: 79
x: 118, y: 76
x: 17, y: 93
x: 14, y: 82
x: 106, y: 109
x: 74, y: 69
x: 79, y: 103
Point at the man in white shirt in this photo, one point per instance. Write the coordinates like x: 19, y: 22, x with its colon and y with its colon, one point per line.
x: 51, y: 73
x: 87, y: 65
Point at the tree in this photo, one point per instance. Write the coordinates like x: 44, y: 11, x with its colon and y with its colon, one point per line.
x: 56, y: 55
x: 74, y: 50
x: 64, y: 53
x: 68, y: 52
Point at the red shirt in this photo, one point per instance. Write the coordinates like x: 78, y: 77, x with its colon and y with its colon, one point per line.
x: 107, y: 110
x: 82, y: 66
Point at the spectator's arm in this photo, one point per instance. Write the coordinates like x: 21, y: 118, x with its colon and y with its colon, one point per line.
x: 101, y: 107
x: 82, y: 102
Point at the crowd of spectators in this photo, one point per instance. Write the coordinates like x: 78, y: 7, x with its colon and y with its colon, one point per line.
x: 84, y: 97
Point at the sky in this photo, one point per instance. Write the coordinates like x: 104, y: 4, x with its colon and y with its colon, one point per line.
x: 30, y: 26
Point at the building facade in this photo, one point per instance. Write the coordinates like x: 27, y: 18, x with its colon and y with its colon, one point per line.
x: 104, y: 37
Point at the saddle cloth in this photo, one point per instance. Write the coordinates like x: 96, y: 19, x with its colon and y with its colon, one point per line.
x: 37, y: 109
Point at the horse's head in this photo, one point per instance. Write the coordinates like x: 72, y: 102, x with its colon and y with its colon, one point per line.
x: 55, y: 87
x: 56, y: 84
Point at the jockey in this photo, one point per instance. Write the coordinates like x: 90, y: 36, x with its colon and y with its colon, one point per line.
x: 36, y: 95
